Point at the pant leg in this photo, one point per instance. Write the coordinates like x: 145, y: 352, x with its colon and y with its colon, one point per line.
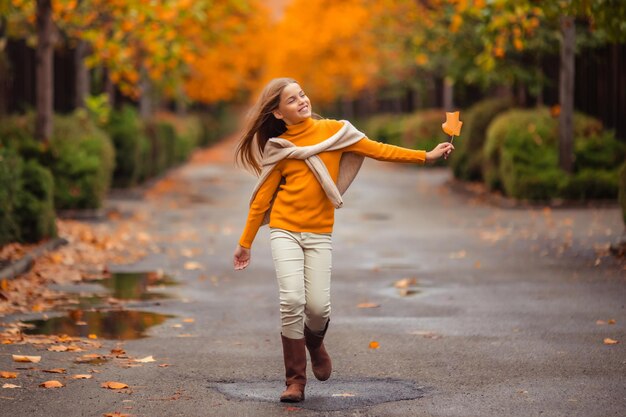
x: 289, y: 264
x: 317, y: 273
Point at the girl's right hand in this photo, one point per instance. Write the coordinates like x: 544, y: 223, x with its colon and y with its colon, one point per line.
x: 443, y: 149
x: 241, y: 258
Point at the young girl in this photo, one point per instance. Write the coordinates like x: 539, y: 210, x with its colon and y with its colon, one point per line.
x: 305, y: 167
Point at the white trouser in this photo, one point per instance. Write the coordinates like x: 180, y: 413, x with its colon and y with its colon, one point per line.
x: 303, y: 264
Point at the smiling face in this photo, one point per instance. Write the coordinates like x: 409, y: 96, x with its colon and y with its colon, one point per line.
x: 294, y: 106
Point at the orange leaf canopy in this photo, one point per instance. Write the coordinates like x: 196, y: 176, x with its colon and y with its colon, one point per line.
x: 452, y: 126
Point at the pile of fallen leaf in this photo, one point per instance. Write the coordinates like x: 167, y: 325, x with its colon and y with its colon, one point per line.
x: 90, y: 249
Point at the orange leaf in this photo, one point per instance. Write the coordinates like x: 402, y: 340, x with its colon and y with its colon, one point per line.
x: 113, y: 385
x: 54, y: 371
x: 5, y: 374
x: 452, y: 125
x: 368, y: 305
x: 82, y: 376
x: 22, y: 358
x: 51, y: 384
x: 609, y: 341
x: 374, y: 345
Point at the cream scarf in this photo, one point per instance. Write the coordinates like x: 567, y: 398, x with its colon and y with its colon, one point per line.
x: 277, y: 149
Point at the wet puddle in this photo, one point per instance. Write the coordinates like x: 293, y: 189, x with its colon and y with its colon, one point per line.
x: 88, y: 311
x: 137, y: 285
x: 117, y: 324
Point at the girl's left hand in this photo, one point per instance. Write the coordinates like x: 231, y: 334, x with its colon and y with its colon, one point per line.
x: 443, y: 149
x: 241, y: 258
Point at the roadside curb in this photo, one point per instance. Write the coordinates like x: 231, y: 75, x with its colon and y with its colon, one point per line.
x: 24, y: 264
x: 479, y: 190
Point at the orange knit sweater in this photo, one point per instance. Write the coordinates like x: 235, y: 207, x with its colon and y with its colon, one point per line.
x: 301, y: 204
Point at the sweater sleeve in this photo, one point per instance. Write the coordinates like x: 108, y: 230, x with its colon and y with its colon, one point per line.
x: 385, y: 152
x: 259, y: 206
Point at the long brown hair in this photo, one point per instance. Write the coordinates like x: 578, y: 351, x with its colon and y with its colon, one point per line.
x: 261, y: 125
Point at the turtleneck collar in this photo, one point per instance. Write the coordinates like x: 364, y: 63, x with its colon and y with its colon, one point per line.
x: 298, y: 128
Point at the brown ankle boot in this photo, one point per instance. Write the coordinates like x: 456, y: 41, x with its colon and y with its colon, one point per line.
x: 294, y: 353
x: 320, y: 360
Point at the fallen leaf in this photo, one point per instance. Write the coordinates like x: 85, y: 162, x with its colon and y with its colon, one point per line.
x: 611, y: 321
x: 82, y: 376
x: 164, y: 365
x: 146, y: 359
x: 477, y: 264
x: 92, y: 336
x: 292, y: 409
x: 116, y: 414
x: 51, y: 384
x: 118, y: 351
x: 58, y: 348
x: 368, y: 305
x: 113, y: 385
x: 21, y: 358
x: 189, y: 320
x: 600, y: 322
x: 405, y: 282
x: 190, y: 266
x: 609, y: 341
x: 374, y: 345
x: 344, y: 394
x: 11, y: 386
x: 54, y: 371
x: 458, y: 255
x: 6, y: 374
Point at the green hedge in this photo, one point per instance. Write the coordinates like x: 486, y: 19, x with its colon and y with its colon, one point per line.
x: 387, y: 128
x: 422, y: 130
x: 521, y: 157
x: 26, y: 199
x: 82, y: 159
x: 419, y: 130
x: 467, y: 159
x: 216, y: 124
x: 127, y: 134
x: 35, y: 213
x: 10, y: 187
x: 622, y: 191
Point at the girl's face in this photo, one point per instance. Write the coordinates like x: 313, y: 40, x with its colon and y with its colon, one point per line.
x: 294, y: 106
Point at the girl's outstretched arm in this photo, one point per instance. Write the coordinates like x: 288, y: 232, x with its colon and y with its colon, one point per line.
x: 385, y: 152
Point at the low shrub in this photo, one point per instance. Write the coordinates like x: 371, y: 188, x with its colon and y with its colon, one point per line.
x: 422, y: 130
x: 521, y: 157
x: 82, y: 159
x: 386, y: 128
x: 215, y: 124
x: 127, y: 134
x: 10, y: 187
x: 35, y: 204
x: 622, y: 191
x: 467, y: 159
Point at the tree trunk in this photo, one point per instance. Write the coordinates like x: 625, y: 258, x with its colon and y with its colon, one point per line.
x: 109, y: 88
x: 5, y: 76
x: 82, y: 74
x: 448, y: 94
x: 45, y: 71
x: 566, y: 94
x: 181, y: 101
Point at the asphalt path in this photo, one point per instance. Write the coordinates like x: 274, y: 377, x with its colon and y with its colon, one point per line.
x: 499, y: 317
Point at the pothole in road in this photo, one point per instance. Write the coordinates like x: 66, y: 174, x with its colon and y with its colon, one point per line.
x: 117, y: 324
x: 333, y: 395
